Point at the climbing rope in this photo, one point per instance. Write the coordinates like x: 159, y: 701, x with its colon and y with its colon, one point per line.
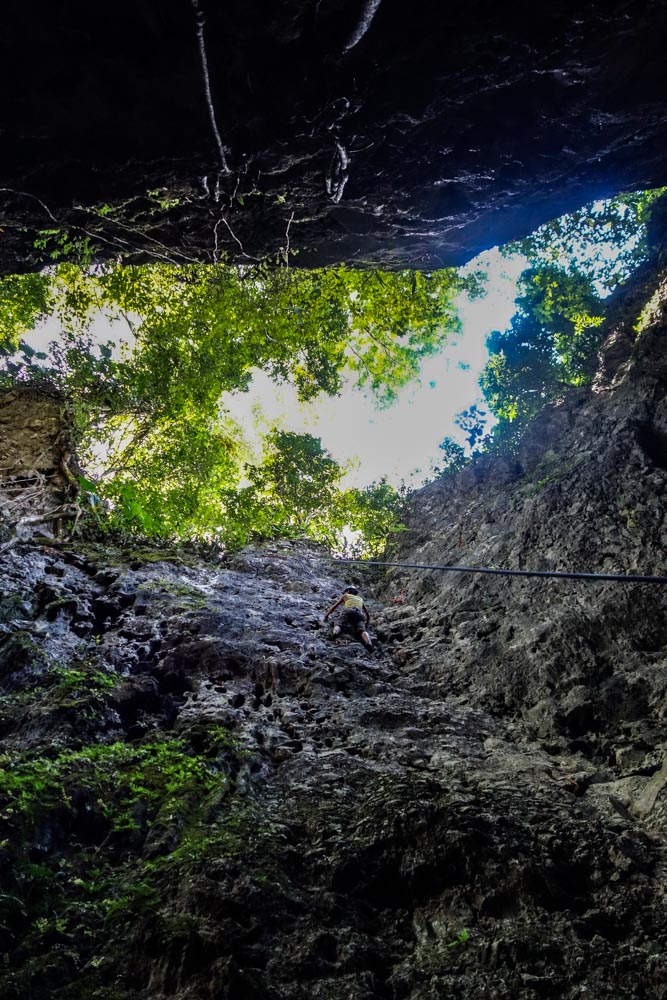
x: 612, y: 577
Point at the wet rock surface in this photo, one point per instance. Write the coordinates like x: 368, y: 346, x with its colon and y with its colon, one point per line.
x: 349, y: 131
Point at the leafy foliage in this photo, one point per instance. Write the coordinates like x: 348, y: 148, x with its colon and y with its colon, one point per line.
x: 604, y: 241
x: 554, y: 335
x: 453, y: 457
x: 154, y: 411
x: 296, y: 491
x: 371, y: 515
x: 550, y: 344
x: 460, y: 939
x: 200, y: 330
x: 118, y: 775
x: 24, y: 299
x: 473, y: 422
x: 118, y: 816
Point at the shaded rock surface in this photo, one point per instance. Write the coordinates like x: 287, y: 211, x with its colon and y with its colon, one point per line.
x: 35, y: 452
x: 350, y: 131
x: 580, y: 663
x: 372, y: 820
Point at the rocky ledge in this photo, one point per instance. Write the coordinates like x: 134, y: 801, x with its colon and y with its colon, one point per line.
x: 349, y: 130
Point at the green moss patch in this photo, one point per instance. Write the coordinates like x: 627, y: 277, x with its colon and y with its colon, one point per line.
x: 90, y: 837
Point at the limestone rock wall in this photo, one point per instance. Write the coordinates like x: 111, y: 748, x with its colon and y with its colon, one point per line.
x: 582, y: 664
x: 363, y: 834
x: 35, y: 451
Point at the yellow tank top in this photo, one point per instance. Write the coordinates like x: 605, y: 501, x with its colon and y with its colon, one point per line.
x: 354, y: 601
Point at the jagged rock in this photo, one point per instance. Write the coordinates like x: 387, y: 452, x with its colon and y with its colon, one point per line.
x: 353, y: 131
x: 581, y: 660
x: 35, y: 452
x: 363, y: 823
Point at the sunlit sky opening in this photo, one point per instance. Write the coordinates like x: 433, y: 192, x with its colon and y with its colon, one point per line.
x: 399, y: 442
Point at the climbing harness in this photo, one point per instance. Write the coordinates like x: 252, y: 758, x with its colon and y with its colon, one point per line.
x: 612, y: 577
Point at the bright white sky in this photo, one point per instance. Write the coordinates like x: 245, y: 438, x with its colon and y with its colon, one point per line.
x: 400, y: 441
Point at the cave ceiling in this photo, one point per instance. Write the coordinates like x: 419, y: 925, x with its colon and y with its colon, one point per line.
x: 367, y: 131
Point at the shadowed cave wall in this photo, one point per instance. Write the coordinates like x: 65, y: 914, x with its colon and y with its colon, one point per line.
x: 348, y: 130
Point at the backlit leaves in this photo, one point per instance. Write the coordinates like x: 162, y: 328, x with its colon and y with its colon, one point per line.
x: 152, y: 414
x: 550, y: 344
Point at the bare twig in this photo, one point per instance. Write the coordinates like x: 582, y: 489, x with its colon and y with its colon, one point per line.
x: 146, y: 236
x: 26, y: 194
x: 338, y: 174
x: 384, y: 347
x: 216, y: 254
x: 362, y: 360
x: 235, y: 237
x: 113, y: 241
x: 129, y: 322
x: 118, y: 240
x: 287, y: 251
x: 65, y: 510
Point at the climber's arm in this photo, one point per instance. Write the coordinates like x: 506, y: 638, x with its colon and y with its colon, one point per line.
x: 334, y: 606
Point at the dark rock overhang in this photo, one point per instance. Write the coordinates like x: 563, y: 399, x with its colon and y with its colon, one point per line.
x: 364, y: 131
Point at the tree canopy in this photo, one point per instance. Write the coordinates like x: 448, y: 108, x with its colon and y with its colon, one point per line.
x: 603, y: 242
x: 550, y: 344
x: 162, y: 455
x: 152, y: 415
x: 553, y: 338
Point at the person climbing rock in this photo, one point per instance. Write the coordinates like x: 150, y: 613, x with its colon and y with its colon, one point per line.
x: 355, y: 616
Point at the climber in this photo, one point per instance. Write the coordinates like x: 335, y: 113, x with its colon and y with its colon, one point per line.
x: 355, y: 616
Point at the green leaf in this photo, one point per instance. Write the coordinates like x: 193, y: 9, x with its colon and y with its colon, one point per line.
x: 86, y: 484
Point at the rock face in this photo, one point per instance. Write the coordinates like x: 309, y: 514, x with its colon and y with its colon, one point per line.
x: 355, y: 831
x: 349, y: 130
x: 201, y: 795
x: 581, y: 663
x: 35, y: 478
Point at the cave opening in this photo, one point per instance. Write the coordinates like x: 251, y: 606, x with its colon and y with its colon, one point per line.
x: 235, y: 403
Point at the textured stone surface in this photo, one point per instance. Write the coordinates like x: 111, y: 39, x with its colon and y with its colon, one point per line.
x: 431, y: 135
x: 385, y: 818
x: 35, y: 450
x: 580, y: 663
